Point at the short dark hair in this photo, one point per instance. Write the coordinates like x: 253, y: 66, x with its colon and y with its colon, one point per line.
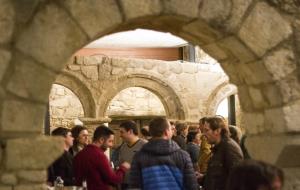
x: 202, y: 120
x: 145, y: 132
x: 75, y: 133
x: 130, y: 125
x: 191, y: 136
x: 60, y: 131
x: 158, y: 126
x: 180, y: 127
x: 102, y: 132
x: 216, y: 123
x: 251, y: 174
x: 76, y: 130
x: 234, y: 133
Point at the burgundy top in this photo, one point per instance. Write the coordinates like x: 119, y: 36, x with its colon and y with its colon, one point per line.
x: 92, y: 165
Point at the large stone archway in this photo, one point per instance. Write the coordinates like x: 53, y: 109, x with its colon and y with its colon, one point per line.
x: 80, y: 90
x: 255, y: 42
x: 173, y: 107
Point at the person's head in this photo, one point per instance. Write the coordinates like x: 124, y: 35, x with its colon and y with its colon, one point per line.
x: 160, y: 128
x: 128, y: 130
x: 255, y: 175
x: 66, y: 134
x: 194, y: 136
x: 172, y: 123
x: 145, y: 132
x: 81, y: 135
x: 234, y: 133
x: 201, y: 123
x: 103, y: 137
x: 182, y: 129
x: 215, y: 129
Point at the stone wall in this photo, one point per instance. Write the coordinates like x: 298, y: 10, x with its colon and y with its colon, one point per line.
x: 135, y: 101
x: 65, y: 107
x: 185, y: 89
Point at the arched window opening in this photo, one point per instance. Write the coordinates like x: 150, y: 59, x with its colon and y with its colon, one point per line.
x: 64, y: 107
x: 134, y: 103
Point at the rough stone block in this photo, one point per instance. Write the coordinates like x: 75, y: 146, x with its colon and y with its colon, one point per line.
x: 188, y: 8
x: 7, y: 20
x: 273, y: 29
x: 9, y: 179
x: 272, y: 94
x: 37, y: 40
x: 32, y: 153
x: 291, y: 115
x: 289, y: 87
x: 216, y: 52
x: 30, y: 80
x: 35, y: 176
x: 94, y: 17
x: 231, y: 70
x: 202, y: 31
x: 238, y: 10
x: 238, y: 49
x: 246, y: 72
x: 254, y: 122
x: 258, y: 100
x: 18, y: 116
x: 275, y: 122
x: 245, y: 98
x: 5, y: 57
x: 266, y: 147
x: 215, y: 12
x: 92, y: 60
x: 140, y: 8
x: 280, y: 63
x: 90, y: 72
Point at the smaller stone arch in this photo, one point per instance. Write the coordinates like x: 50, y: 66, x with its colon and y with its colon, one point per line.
x: 220, y: 93
x: 173, y: 106
x: 80, y: 90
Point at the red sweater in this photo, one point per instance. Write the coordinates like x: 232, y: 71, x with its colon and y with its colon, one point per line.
x: 92, y: 165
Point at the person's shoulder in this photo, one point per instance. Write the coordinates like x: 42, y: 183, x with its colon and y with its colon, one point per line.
x: 142, y: 141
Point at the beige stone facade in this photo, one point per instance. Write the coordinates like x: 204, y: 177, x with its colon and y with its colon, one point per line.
x: 256, y: 43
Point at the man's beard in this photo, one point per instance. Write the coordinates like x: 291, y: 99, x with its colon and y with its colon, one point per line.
x: 103, y: 147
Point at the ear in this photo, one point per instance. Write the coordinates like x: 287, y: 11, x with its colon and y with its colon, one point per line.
x: 101, y: 140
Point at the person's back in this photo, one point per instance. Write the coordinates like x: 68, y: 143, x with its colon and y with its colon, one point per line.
x: 161, y: 164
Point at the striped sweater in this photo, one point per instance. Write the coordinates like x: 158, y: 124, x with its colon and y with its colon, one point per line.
x: 162, y: 165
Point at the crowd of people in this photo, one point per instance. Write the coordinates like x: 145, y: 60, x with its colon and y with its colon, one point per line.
x: 166, y: 156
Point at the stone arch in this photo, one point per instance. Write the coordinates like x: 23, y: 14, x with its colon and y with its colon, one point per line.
x: 220, y: 93
x: 173, y: 106
x: 80, y: 90
x: 256, y: 43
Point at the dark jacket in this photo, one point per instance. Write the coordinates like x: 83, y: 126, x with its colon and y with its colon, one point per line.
x: 92, y: 165
x: 225, y: 156
x: 180, y: 140
x: 62, y: 167
x: 161, y: 164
